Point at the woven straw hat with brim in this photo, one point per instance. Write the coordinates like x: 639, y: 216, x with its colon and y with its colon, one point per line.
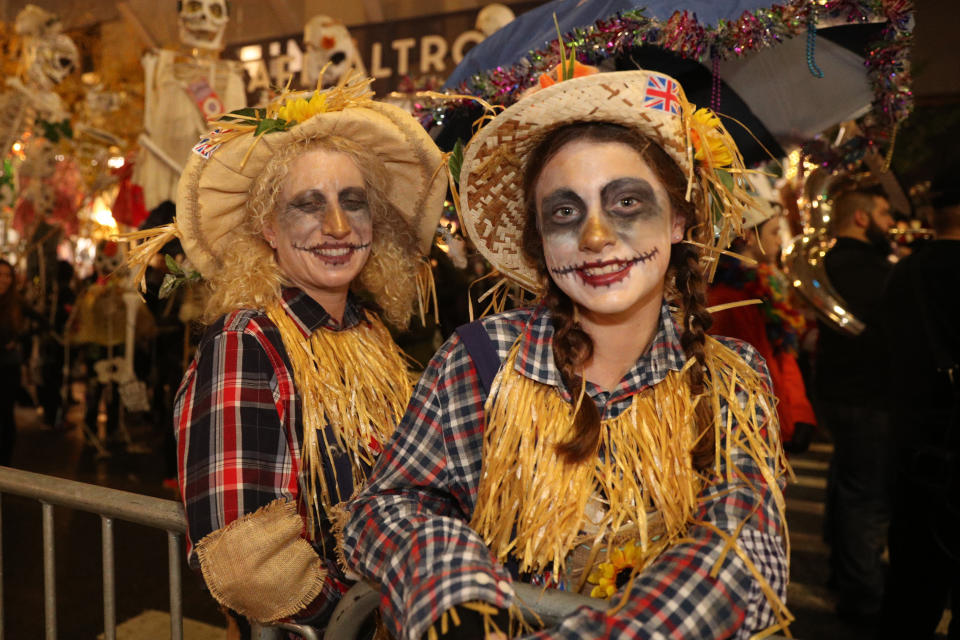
x: 651, y: 103
x: 217, y: 182
x: 215, y: 185
x: 763, y: 211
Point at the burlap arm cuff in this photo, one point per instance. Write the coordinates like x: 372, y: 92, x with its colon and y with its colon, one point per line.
x: 259, y: 566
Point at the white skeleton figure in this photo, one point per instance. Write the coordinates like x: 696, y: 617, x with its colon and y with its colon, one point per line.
x: 35, y: 175
x: 492, y: 17
x: 184, y: 93
x: 328, y: 41
x: 203, y: 23
x: 47, y: 57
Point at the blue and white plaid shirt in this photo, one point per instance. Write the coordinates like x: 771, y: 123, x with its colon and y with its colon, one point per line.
x: 409, y: 529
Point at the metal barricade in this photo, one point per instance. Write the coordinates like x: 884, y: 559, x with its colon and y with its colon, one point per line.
x: 110, y: 504
x: 550, y: 606
x: 541, y: 606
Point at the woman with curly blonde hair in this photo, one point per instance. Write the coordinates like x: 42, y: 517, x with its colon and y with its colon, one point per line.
x: 308, y: 221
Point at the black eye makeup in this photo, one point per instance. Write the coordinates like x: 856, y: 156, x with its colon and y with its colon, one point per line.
x: 314, y: 201
x: 309, y: 201
x: 353, y: 199
x: 629, y: 197
x: 560, y: 209
x: 623, y: 200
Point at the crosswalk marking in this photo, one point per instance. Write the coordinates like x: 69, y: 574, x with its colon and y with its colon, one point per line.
x: 811, y: 482
x: 808, y: 543
x: 812, y: 507
x: 809, y: 465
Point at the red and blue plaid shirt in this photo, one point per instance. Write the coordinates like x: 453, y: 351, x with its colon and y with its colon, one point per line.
x: 409, y: 529
x: 239, y: 425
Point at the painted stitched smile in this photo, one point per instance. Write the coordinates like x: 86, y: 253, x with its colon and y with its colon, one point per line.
x: 334, y: 252
x: 605, y: 267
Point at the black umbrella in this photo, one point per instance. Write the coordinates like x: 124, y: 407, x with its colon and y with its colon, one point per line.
x: 770, y: 97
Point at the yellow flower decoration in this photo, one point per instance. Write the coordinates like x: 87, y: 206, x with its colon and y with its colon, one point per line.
x: 706, y: 133
x: 301, y: 109
x: 604, y: 575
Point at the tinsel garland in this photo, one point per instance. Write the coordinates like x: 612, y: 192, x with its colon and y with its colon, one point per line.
x: 886, y: 59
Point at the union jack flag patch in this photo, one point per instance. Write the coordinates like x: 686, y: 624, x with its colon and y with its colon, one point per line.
x: 662, y: 94
x: 208, y: 143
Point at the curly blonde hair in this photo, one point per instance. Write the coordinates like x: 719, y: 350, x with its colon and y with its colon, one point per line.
x: 250, y: 276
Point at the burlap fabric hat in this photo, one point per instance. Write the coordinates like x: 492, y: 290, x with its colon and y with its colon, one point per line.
x: 214, y: 187
x: 491, y: 191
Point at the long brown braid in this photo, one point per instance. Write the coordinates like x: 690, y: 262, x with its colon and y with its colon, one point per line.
x: 690, y: 285
x: 572, y: 346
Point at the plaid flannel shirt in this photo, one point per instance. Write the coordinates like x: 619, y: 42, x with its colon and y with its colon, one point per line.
x: 409, y: 529
x: 239, y: 425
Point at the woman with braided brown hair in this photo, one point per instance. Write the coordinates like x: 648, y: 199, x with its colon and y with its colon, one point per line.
x: 599, y: 441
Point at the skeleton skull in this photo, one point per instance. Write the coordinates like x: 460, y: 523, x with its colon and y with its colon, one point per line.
x: 203, y: 23
x: 49, y: 56
x: 56, y: 59
x: 328, y: 41
x: 492, y: 17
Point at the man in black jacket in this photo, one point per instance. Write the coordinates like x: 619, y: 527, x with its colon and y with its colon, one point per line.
x: 851, y: 400
x: 922, y: 321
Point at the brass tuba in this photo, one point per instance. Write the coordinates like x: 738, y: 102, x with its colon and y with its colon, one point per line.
x: 803, y: 259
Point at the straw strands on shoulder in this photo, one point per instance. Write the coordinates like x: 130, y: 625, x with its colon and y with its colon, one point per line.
x: 356, y: 382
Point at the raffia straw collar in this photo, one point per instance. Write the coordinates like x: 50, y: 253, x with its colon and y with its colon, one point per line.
x: 357, y: 382
x: 535, y: 507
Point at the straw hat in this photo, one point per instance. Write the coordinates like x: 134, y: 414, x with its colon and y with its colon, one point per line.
x: 765, y: 210
x: 491, y: 191
x: 215, y: 185
x: 766, y: 202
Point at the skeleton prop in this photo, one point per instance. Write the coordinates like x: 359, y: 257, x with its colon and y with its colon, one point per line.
x: 328, y: 42
x: 47, y: 57
x: 203, y: 23
x: 183, y: 93
x: 492, y: 17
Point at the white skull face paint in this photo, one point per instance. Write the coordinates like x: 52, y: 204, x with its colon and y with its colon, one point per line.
x: 328, y: 41
x: 322, y: 229
x: 606, y: 226
x: 203, y: 23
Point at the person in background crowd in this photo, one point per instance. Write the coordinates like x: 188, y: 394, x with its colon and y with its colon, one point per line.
x: 921, y: 312
x: 774, y: 326
x: 851, y: 399
x: 167, y: 349
x: 559, y: 444
x: 50, y: 391
x: 12, y: 324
